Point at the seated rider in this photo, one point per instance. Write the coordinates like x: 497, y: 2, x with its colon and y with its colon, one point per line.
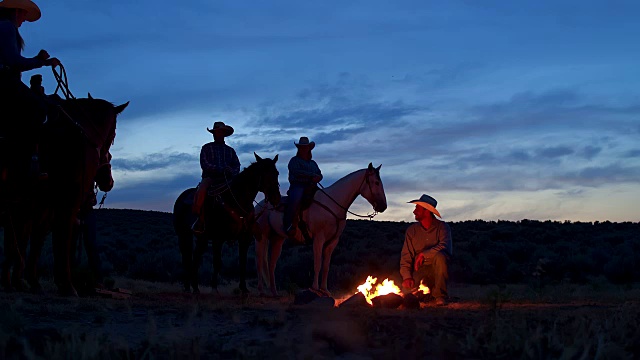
x: 15, y: 96
x: 303, y: 173
x: 219, y: 164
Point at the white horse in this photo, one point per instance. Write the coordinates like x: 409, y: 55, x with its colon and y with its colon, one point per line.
x: 325, y: 219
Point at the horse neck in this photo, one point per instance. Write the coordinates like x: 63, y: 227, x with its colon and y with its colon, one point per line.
x: 346, y: 190
x: 244, y: 188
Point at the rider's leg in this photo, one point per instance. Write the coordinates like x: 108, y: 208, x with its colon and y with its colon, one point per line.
x: 198, y: 208
x: 293, y: 205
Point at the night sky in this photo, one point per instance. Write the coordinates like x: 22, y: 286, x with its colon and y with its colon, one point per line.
x: 499, y: 110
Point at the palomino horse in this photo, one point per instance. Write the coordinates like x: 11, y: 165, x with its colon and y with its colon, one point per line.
x: 74, y: 146
x: 229, y: 215
x: 325, y: 219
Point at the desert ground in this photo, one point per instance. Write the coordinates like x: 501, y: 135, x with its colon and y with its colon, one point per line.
x: 159, y: 321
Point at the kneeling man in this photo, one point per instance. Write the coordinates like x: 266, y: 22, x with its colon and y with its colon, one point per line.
x: 427, y: 250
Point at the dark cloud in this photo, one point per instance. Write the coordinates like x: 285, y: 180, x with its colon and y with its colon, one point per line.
x: 554, y: 152
x: 154, y: 161
x: 635, y: 153
x: 589, y: 152
x: 154, y: 194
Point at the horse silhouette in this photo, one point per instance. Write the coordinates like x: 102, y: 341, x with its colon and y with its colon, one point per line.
x: 325, y: 220
x: 229, y: 215
x: 74, y: 147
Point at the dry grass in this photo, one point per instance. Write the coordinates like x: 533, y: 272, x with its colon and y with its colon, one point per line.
x: 569, y: 322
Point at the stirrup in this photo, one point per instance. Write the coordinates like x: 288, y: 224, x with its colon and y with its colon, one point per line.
x: 196, y: 228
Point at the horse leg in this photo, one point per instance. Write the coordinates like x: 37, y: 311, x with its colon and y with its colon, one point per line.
x: 326, y: 261
x: 276, y: 248
x: 22, y: 239
x: 243, y: 249
x: 318, y: 245
x: 185, y: 242
x: 10, y: 253
x: 201, y: 247
x: 261, y: 258
x: 35, y: 251
x: 217, y: 262
x: 61, y: 254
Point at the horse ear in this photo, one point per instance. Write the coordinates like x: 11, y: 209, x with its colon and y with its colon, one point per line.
x: 370, y: 166
x: 121, y: 108
x: 89, y: 96
x: 258, y: 158
x: 275, y: 159
x: 378, y: 168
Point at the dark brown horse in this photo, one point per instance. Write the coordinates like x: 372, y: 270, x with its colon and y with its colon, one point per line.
x: 229, y: 215
x: 73, y: 146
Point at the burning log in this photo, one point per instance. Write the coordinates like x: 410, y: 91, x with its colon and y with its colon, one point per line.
x: 388, y: 301
x: 357, y: 300
x: 410, y: 301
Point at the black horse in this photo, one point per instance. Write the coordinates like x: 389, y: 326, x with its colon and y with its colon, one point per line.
x: 74, y: 147
x: 229, y: 215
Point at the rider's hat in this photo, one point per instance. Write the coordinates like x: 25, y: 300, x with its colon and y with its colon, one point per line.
x: 304, y: 141
x: 220, y: 126
x: 33, y: 11
x: 428, y: 203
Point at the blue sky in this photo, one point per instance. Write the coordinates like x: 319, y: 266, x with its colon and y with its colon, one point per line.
x: 500, y: 110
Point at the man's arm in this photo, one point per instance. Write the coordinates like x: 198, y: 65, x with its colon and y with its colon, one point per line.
x: 235, y: 163
x: 443, y: 245
x: 406, y: 257
x: 11, y: 54
x: 299, y: 171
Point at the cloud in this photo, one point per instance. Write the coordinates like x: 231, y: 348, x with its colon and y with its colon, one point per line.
x: 156, y: 161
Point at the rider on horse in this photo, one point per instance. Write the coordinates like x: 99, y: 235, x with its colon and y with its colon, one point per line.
x: 304, y: 174
x: 219, y: 164
x: 15, y: 96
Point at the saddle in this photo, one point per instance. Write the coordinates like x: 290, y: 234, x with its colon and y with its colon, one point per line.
x: 307, y: 199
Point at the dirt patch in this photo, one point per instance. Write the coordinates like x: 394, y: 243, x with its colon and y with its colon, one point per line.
x: 169, y: 324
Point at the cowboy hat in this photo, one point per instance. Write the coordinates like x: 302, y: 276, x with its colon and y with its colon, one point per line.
x: 304, y: 141
x: 219, y: 125
x: 33, y: 11
x: 428, y: 203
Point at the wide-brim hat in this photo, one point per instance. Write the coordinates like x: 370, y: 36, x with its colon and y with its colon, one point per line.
x: 33, y: 11
x: 304, y: 142
x: 428, y: 203
x: 220, y: 126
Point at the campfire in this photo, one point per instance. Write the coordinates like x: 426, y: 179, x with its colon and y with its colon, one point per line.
x: 384, y: 294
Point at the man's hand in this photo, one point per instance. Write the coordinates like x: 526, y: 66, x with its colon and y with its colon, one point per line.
x: 53, y: 62
x: 43, y: 55
x: 419, y: 261
x: 408, y: 283
x: 316, y: 179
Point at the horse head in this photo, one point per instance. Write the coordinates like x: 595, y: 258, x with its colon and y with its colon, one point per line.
x: 97, y: 119
x: 372, y: 189
x: 268, y: 183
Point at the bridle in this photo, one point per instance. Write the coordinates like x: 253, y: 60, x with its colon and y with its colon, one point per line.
x: 365, y: 179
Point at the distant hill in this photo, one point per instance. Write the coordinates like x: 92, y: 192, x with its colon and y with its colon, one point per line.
x: 142, y: 245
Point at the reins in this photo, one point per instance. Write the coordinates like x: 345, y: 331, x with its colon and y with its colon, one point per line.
x: 369, y: 216
x: 63, y: 82
x: 63, y: 85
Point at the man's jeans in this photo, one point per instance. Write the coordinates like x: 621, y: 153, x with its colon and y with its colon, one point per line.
x: 434, y: 273
x: 294, y: 199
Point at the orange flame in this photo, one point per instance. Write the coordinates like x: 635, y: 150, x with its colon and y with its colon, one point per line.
x: 386, y: 287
